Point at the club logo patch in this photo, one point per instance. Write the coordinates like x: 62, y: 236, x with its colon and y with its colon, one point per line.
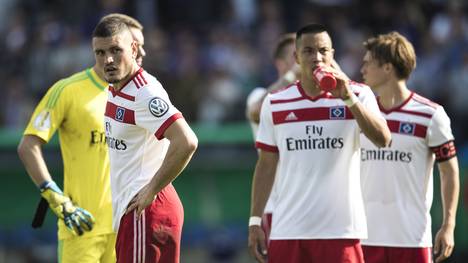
x: 120, y: 114
x: 406, y: 128
x: 42, y: 121
x: 337, y: 113
x: 158, y: 107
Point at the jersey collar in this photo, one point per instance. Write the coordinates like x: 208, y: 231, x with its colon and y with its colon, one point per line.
x: 97, y: 81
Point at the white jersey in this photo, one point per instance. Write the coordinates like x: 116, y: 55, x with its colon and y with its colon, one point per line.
x: 317, y: 180
x: 397, y: 180
x: 136, y: 118
x: 252, y: 98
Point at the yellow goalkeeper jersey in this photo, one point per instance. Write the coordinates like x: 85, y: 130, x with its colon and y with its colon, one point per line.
x: 75, y: 106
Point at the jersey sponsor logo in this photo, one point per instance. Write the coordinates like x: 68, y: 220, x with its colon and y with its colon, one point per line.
x: 42, y: 121
x: 314, y: 140
x: 97, y: 137
x: 337, y: 113
x: 116, y: 144
x: 385, y: 155
x: 407, y: 128
x: 120, y: 114
x: 158, y: 107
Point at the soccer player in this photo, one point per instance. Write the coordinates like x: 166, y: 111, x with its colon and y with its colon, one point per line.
x: 397, y: 180
x: 287, y: 70
x: 75, y: 107
x: 313, y: 137
x: 149, y: 144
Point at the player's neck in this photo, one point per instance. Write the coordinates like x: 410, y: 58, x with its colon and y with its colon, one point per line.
x: 119, y: 85
x: 310, y: 87
x: 393, y: 94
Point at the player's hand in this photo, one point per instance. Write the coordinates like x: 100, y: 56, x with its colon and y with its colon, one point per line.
x: 444, y: 243
x: 76, y: 219
x: 141, y: 200
x: 257, y: 244
x: 342, y: 89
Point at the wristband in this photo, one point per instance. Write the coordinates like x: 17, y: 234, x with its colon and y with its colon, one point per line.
x: 255, y: 221
x: 351, y: 100
x: 290, y: 76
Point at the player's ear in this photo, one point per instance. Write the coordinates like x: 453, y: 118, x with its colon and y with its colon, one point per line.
x: 134, y: 49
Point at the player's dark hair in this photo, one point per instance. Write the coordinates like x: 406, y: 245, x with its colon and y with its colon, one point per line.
x: 283, y: 42
x: 395, y: 49
x: 310, y: 29
x: 110, y: 26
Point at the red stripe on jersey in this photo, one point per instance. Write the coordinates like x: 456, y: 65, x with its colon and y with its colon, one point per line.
x: 445, y: 151
x: 160, y: 132
x: 415, y: 129
x: 137, y: 78
x: 143, y: 78
x: 120, y: 94
x: 284, y: 88
x: 422, y: 114
x: 286, y: 100
x: 136, y: 73
x: 136, y: 83
x: 425, y: 101
x: 312, y: 114
x: 266, y: 147
x: 120, y: 114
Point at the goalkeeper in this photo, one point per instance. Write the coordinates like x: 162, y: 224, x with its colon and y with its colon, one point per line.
x: 75, y: 107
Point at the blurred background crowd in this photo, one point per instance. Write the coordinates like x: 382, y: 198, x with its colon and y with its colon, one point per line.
x: 209, y: 54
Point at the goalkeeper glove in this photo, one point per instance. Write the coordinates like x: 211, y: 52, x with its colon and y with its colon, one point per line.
x: 75, y: 218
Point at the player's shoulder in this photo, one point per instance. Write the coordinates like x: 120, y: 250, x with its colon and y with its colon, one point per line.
x: 66, y: 84
x: 147, y: 85
x: 289, y: 92
x: 358, y: 87
x: 423, y: 105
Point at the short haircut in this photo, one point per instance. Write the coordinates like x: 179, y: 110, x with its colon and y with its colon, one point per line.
x: 130, y: 21
x: 395, y: 49
x: 310, y: 29
x: 284, y: 41
x: 110, y: 26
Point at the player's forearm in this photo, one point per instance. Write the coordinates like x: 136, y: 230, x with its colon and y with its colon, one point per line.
x: 262, y: 184
x: 178, y: 156
x: 372, y: 126
x: 30, y: 153
x: 450, y: 189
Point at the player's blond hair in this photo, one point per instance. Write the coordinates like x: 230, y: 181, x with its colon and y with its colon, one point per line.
x: 128, y: 20
x: 395, y: 49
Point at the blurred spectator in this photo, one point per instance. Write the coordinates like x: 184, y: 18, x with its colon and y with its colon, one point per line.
x: 209, y: 52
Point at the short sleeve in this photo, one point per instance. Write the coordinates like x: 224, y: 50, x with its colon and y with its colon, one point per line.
x: 154, y: 111
x: 266, y: 135
x: 49, y: 113
x: 367, y: 98
x: 439, y: 130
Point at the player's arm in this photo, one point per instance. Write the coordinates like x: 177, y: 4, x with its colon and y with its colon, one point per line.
x: 183, y: 143
x: 372, y: 124
x: 75, y: 218
x: 253, y: 109
x: 30, y: 153
x: 262, y: 184
x: 450, y: 187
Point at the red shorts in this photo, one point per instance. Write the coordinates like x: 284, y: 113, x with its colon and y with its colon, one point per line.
x: 155, y: 236
x: 266, y: 226
x: 376, y: 254
x: 315, y: 250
